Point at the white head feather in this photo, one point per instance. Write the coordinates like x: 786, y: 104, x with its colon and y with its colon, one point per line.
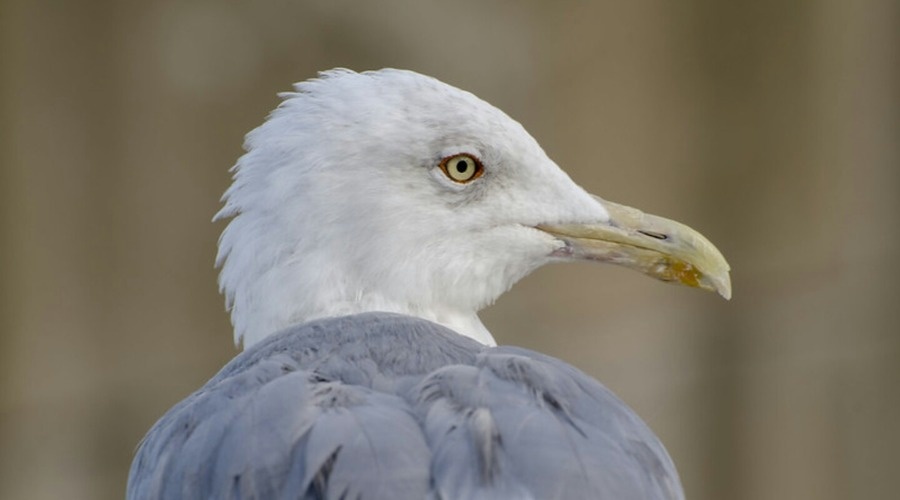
x: 339, y: 206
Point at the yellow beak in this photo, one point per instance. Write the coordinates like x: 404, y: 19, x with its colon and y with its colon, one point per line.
x: 658, y: 247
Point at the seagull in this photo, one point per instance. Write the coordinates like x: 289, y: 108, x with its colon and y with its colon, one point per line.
x: 371, y: 217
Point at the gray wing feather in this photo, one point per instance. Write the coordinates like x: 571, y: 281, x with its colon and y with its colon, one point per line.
x: 522, y: 425
x: 292, y: 436
x: 386, y: 406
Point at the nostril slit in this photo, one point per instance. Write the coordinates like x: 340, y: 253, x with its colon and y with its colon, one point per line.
x: 658, y: 236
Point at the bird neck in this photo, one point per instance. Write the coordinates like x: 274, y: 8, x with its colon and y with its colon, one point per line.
x: 347, y: 300
x: 467, y: 325
x: 298, y: 291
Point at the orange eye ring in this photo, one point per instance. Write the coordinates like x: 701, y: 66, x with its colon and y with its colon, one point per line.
x: 462, y: 168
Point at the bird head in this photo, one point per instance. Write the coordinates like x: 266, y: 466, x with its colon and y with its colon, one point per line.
x: 391, y: 191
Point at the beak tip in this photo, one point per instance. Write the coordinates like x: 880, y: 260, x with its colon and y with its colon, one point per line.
x: 722, y: 285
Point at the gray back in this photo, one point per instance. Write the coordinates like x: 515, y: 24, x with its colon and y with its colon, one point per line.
x: 385, y: 406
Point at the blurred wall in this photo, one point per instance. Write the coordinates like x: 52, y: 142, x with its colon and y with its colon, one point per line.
x: 771, y: 126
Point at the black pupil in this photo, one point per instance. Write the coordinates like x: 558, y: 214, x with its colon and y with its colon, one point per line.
x: 462, y: 166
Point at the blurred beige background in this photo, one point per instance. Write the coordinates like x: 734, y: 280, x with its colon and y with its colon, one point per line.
x: 771, y: 126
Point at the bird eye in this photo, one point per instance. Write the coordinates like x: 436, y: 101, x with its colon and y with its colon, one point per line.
x: 462, y: 168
